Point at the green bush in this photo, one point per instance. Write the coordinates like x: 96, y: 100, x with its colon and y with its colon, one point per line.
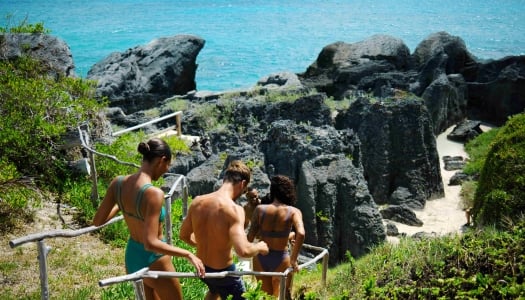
x: 500, y: 196
x: 477, y: 150
x: 23, y: 26
x: 36, y: 112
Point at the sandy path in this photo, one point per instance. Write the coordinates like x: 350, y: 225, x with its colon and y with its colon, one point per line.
x: 442, y: 215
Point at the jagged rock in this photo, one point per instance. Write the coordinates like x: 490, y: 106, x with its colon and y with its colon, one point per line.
x: 402, y: 196
x: 451, y: 51
x: 391, y: 229
x: 287, y: 145
x: 465, y: 131
x: 340, y: 66
x: 397, y: 145
x: 143, y: 76
x: 458, y: 178
x: 282, y: 80
x: 338, y: 211
x: 453, y: 162
x: 402, y: 214
x: 497, y: 91
x: 204, y: 178
x: 51, y: 50
x: 445, y: 98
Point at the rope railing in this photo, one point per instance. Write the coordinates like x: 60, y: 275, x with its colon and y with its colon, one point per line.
x: 138, y: 276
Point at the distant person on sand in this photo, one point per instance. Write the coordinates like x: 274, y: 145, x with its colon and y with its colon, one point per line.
x: 215, y: 225
x: 273, y: 224
x: 142, y: 206
x: 252, y: 200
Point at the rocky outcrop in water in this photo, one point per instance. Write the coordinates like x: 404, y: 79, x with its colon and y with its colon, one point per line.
x: 53, y: 51
x: 141, y: 77
x: 452, y: 82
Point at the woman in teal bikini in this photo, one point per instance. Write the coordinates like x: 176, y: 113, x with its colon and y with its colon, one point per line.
x: 273, y: 223
x: 142, y: 205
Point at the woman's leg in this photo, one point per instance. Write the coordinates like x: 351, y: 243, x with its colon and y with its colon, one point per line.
x: 165, y: 288
x: 265, y: 280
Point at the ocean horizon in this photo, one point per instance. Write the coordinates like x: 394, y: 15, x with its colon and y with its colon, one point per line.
x: 247, y: 40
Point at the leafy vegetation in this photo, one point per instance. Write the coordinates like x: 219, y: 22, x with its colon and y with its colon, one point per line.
x: 34, y: 105
x: 478, y: 150
x: 23, y: 26
x: 501, y: 190
x: 484, y: 264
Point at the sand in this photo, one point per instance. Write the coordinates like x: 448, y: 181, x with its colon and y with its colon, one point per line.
x: 442, y: 215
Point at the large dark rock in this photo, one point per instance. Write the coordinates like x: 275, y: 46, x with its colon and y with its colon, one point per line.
x: 465, y: 131
x: 452, y: 51
x: 402, y: 214
x: 340, y: 66
x: 398, y: 147
x: 446, y: 101
x: 141, y: 77
x: 498, y: 90
x: 53, y: 51
x: 338, y: 211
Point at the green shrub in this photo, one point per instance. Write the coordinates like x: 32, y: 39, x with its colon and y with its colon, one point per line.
x: 36, y: 112
x: 501, y: 189
x: 477, y: 150
x: 23, y: 26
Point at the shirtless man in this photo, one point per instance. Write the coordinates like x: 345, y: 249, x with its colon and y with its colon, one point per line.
x: 215, y: 224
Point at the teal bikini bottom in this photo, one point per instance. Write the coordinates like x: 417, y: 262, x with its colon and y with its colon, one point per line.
x: 137, y: 257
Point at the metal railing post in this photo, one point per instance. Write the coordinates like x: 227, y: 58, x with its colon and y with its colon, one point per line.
x: 138, y: 285
x: 185, y: 195
x: 43, y: 250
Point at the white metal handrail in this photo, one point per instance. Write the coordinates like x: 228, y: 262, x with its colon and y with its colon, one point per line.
x: 138, y: 276
x: 43, y: 249
x: 176, y: 114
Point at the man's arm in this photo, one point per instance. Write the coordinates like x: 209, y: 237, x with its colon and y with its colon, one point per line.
x: 186, y: 230
x: 241, y: 245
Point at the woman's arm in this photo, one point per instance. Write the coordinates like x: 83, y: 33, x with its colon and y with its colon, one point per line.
x: 297, y: 219
x: 154, y: 198
x: 108, y: 208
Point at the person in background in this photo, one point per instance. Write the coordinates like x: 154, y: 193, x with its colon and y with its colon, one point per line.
x: 252, y: 197
x: 142, y: 206
x: 215, y: 224
x: 273, y: 223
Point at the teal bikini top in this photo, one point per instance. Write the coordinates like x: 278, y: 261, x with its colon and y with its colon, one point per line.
x: 138, y: 202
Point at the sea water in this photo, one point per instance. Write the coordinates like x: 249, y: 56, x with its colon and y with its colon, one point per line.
x: 247, y: 40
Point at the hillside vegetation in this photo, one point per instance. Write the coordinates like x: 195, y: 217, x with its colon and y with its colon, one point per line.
x: 487, y: 262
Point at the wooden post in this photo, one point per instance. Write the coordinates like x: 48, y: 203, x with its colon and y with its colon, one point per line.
x: 325, y: 268
x: 178, y: 117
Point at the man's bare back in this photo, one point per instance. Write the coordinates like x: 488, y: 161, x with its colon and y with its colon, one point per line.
x: 215, y: 225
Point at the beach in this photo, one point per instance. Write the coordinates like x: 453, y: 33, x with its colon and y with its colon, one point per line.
x: 441, y: 215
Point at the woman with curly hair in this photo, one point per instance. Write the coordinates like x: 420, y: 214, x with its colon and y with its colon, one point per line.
x: 273, y: 223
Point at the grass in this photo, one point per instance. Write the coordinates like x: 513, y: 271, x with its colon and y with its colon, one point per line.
x: 486, y: 264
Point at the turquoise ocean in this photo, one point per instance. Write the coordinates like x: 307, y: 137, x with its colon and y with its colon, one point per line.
x: 247, y: 40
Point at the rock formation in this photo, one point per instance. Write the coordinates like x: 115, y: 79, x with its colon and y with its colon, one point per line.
x: 143, y: 76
